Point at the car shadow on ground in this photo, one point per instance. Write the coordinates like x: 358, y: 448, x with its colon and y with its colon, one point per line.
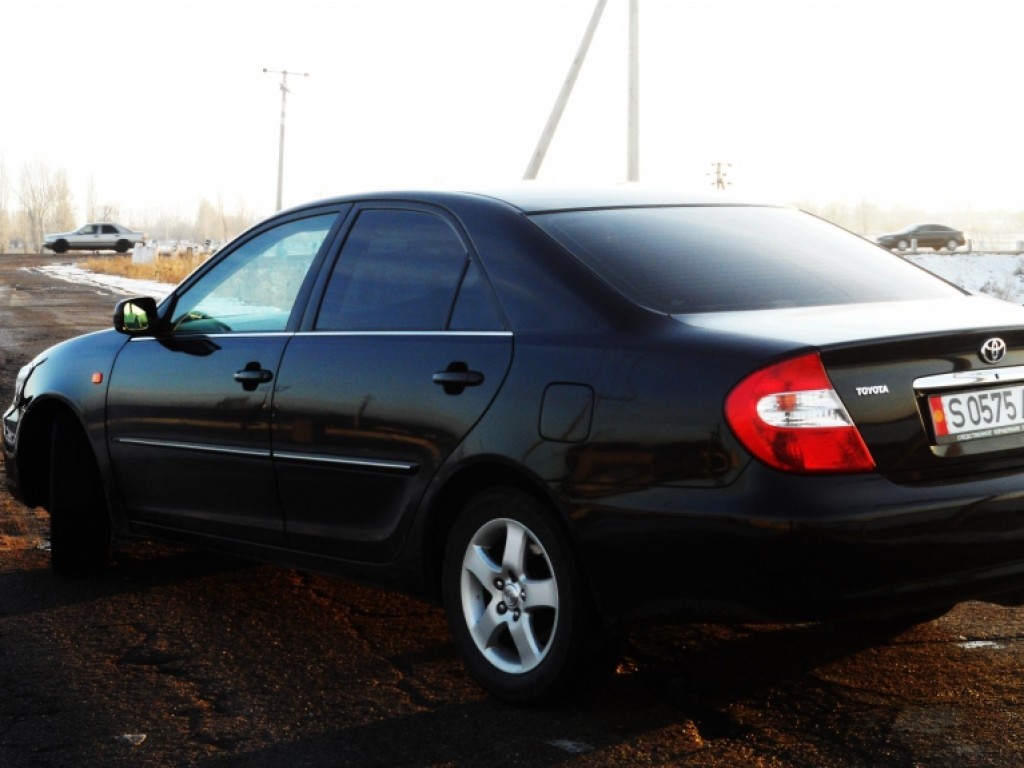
x: 679, y: 688
x: 362, y: 677
x: 135, y: 567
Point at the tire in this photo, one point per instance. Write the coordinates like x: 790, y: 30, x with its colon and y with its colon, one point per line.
x: 122, y: 246
x: 952, y: 245
x: 903, y: 245
x: 515, y: 603
x: 79, y: 520
x: 61, y: 246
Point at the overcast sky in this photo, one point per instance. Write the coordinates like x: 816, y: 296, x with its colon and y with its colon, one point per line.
x: 893, y: 101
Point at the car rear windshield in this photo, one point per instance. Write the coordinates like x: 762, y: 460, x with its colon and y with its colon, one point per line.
x: 687, y: 259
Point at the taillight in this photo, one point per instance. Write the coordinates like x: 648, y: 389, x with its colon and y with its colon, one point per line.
x: 789, y: 416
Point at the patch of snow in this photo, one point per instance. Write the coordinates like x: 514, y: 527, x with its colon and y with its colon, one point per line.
x: 974, y: 645
x: 572, y: 747
x: 996, y: 274
x: 132, y: 739
x: 123, y: 286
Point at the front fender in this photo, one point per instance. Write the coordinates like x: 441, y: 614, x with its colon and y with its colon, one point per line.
x: 71, y: 377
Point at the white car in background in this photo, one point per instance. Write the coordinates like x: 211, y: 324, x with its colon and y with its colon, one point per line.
x: 102, y: 236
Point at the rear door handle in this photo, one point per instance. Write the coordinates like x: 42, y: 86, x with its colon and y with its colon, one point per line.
x: 456, y: 377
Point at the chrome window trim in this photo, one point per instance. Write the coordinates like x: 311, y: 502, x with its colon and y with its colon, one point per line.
x: 495, y: 334
x: 241, y: 335
x: 274, y: 334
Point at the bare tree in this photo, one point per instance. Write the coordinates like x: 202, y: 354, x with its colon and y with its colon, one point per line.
x: 106, y: 212
x: 46, y: 199
x: 90, y: 200
x: 34, y: 193
x: 209, y: 221
x: 97, y: 211
x: 63, y: 205
x: 5, y: 235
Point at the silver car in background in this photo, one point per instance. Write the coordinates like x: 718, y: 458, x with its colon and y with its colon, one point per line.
x: 101, y: 236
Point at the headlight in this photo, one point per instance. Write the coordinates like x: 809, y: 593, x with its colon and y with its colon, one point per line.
x: 22, y: 380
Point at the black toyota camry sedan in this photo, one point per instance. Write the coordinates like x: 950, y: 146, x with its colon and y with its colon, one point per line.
x: 554, y: 412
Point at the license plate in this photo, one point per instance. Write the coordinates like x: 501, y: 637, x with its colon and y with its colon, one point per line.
x: 978, y: 414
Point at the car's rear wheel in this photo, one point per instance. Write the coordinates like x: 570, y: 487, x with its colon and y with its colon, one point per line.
x: 952, y: 245
x: 514, y: 599
x: 122, y: 246
x: 61, y: 246
x: 79, y: 520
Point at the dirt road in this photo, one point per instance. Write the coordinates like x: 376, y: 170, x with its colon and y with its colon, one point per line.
x: 181, y: 658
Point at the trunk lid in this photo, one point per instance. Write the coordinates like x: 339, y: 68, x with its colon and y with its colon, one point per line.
x: 894, y: 363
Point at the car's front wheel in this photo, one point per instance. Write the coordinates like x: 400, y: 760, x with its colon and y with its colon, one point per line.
x: 903, y: 245
x: 61, y: 246
x: 952, y: 245
x: 79, y: 521
x: 514, y: 599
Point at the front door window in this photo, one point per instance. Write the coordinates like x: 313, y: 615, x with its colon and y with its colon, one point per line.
x: 254, y: 287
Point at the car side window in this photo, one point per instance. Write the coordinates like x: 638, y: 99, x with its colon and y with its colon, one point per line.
x: 398, y: 270
x: 475, y: 308
x: 254, y: 287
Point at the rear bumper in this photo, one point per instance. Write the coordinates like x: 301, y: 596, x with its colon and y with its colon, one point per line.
x: 804, y: 548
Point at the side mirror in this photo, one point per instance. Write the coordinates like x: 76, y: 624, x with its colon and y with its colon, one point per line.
x: 136, y: 317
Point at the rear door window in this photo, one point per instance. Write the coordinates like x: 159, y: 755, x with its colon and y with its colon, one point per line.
x: 398, y: 271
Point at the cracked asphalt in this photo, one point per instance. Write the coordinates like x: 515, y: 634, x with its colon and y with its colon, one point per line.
x: 178, y: 657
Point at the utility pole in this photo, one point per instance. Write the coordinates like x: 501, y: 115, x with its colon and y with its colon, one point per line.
x: 721, y: 176
x: 633, y: 109
x: 632, y: 100
x: 563, y: 97
x: 280, y: 150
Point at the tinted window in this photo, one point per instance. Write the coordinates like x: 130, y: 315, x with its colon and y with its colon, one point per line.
x: 709, y: 259
x: 253, y: 288
x: 475, y: 308
x: 398, y: 270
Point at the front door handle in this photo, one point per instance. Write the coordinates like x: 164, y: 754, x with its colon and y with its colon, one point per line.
x: 456, y: 377
x: 252, y: 376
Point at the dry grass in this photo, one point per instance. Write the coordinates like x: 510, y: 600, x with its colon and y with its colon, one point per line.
x: 164, y: 269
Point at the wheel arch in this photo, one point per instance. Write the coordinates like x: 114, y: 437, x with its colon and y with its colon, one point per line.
x: 35, y: 436
x: 456, y: 491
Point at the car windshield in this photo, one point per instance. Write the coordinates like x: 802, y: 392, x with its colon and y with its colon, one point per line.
x: 731, y: 258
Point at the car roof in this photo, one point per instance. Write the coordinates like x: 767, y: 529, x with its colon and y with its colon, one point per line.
x: 533, y: 197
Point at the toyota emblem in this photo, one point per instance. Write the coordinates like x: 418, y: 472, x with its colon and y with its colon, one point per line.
x: 993, y: 350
